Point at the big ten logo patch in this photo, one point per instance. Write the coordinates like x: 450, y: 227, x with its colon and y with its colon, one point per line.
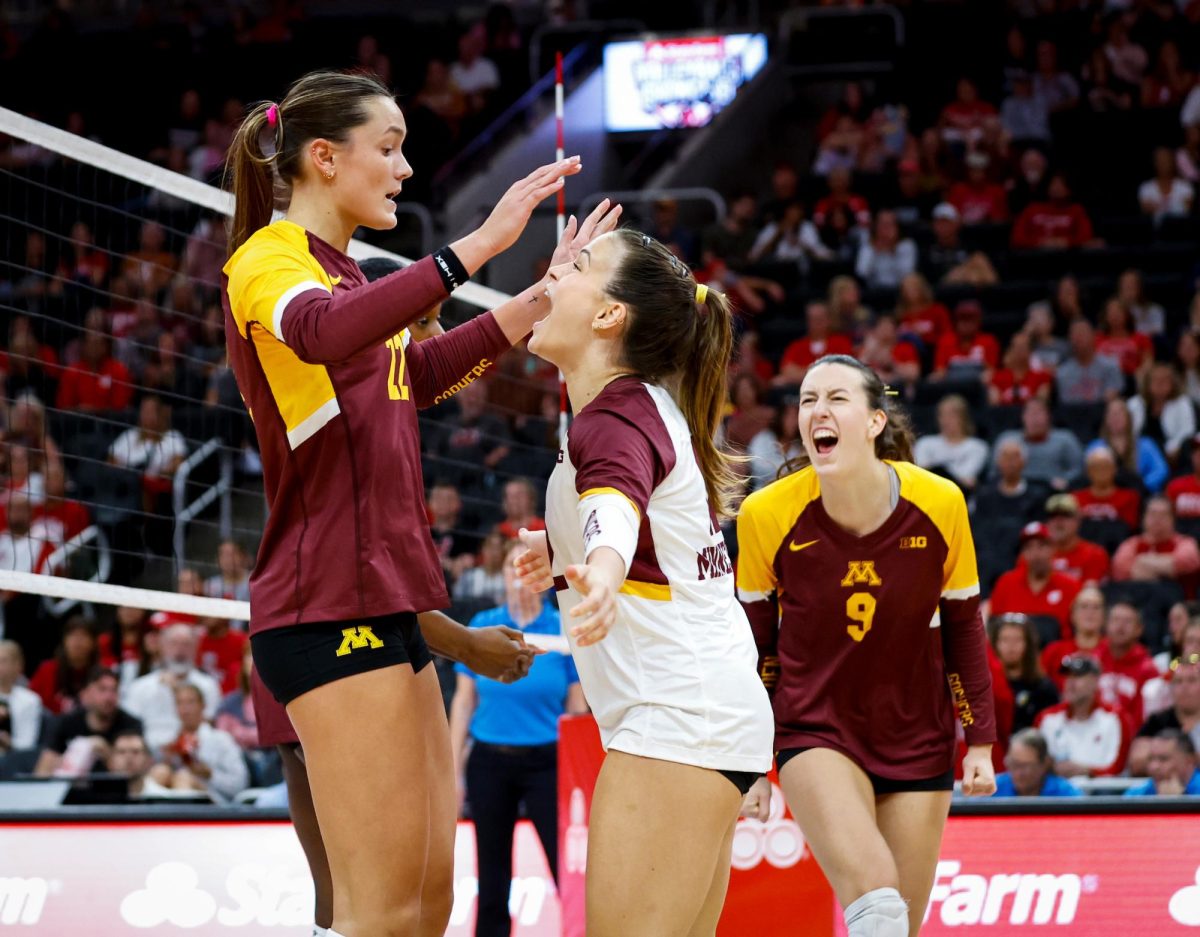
x: 359, y: 637
x: 914, y: 543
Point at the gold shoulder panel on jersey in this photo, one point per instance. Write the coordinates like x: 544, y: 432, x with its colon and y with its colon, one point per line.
x: 942, y: 501
x: 764, y: 521
x: 267, y: 271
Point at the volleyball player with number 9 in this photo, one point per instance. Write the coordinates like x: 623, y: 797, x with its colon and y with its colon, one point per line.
x: 858, y: 575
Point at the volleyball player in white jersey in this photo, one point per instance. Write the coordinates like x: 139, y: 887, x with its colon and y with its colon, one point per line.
x: 638, y: 559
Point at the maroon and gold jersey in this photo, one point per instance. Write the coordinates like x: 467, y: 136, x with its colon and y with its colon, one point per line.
x: 331, y: 383
x: 869, y: 644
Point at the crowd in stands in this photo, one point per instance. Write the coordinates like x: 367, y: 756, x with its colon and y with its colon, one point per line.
x: 1044, y: 336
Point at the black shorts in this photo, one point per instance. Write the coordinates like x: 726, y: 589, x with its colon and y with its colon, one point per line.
x: 882, y: 785
x: 742, y: 780
x: 293, y: 660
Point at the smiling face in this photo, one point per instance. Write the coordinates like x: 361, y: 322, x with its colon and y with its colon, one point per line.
x: 837, y: 426
x: 369, y: 167
x: 577, y: 303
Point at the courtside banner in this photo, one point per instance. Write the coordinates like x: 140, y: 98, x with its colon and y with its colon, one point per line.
x: 1136, y: 876
x: 237, y: 878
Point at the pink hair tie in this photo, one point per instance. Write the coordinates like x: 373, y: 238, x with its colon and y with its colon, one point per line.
x: 272, y: 115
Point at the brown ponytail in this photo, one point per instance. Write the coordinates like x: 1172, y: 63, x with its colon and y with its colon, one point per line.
x: 253, y: 181
x: 895, y: 443
x: 673, y: 338
x: 322, y: 105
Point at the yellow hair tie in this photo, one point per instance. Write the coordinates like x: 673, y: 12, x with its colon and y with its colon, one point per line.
x: 701, y: 293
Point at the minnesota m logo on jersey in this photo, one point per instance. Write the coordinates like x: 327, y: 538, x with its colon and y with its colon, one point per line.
x: 354, y: 638
x: 862, y: 572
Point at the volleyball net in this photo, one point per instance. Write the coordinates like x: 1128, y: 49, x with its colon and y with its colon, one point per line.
x: 129, y: 465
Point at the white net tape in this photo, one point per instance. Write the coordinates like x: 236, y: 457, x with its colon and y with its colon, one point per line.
x: 185, y: 187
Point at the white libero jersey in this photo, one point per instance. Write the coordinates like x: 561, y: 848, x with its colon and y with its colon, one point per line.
x: 675, y: 678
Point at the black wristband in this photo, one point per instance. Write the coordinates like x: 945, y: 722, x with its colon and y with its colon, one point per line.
x: 450, y: 268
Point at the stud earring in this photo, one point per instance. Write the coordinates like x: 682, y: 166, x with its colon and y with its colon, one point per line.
x: 328, y: 173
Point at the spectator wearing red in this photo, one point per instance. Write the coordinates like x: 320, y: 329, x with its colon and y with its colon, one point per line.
x: 750, y: 414
x: 1103, y: 499
x: 1184, y: 491
x: 1085, y: 738
x: 58, y: 518
x: 97, y: 381
x: 967, y: 352
x: 962, y: 120
x: 1159, y: 553
x: 896, y: 361
x: 221, y: 651
x: 1034, y: 587
x: 1017, y: 381
x: 852, y: 104
x: 236, y: 712
x: 1082, y: 559
x: 60, y: 680
x: 1132, y: 350
x: 978, y: 199
x: 1055, y: 224
x: 1125, y: 663
x: 1087, y: 627
x: 520, y: 508
x: 919, y: 314
x: 820, y: 339
x: 841, y: 196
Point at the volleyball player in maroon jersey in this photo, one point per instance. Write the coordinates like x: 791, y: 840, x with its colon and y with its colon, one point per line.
x: 858, y: 575
x: 346, y: 558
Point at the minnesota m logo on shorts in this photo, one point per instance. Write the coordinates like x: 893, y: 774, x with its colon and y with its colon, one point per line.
x: 361, y: 636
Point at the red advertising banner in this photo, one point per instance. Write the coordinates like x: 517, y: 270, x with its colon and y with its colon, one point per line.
x: 1137, y: 876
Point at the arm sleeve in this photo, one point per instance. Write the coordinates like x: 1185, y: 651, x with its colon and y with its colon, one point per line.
x: 441, y: 366
x: 617, y: 468
x: 757, y: 588
x: 285, y: 292
x: 964, y: 641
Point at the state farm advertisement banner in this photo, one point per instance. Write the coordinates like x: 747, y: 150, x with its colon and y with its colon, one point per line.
x: 111, y: 880
x: 1136, y: 876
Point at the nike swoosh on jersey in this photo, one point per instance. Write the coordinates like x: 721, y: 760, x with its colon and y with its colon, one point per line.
x: 335, y: 280
x: 797, y: 547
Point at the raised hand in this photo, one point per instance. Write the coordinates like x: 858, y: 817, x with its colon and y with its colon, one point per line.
x: 533, y: 563
x: 508, y: 219
x: 576, y: 237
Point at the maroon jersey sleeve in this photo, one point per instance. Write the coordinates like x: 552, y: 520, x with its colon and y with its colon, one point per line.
x: 325, y: 328
x: 620, y: 444
x: 444, y: 364
x: 963, y: 637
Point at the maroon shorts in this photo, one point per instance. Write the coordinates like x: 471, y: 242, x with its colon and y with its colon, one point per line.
x: 274, y: 726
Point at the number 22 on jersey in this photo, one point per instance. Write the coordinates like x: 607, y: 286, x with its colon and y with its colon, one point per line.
x: 397, y: 389
x: 860, y: 606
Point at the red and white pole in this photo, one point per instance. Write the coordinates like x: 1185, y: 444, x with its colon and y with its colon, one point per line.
x: 560, y: 225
